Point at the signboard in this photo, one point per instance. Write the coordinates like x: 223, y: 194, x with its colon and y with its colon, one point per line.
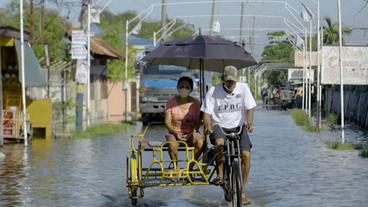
x: 81, y: 72
x: 296, y: 74
x: 95, y: 15
x: 216, y: 27
x: 79, y: 52
x: 79, y: 37
x: 78, y: 47
x: 299, y: 59
x: 355, y: 65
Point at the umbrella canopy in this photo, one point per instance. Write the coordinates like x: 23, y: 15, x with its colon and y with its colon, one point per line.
x: 201, y: 52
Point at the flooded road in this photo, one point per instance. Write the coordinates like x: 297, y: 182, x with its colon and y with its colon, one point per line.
x: 290, y: 167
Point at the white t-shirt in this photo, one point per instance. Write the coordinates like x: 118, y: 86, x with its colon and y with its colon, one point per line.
x: 228, y: 110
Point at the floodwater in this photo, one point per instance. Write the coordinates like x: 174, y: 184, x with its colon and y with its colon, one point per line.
x: 290, y: 167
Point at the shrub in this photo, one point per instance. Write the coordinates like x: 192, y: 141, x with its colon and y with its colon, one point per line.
x: 340, y: 146
x: 331, y: 119
x: 300, y: 117
x: 364, y: 152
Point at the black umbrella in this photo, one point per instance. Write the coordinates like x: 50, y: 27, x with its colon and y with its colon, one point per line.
x: 201, y: 52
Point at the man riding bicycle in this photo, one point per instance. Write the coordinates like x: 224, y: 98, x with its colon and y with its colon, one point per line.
x: 229, y: 105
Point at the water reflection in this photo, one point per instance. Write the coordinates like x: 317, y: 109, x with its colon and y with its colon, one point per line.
x: 289, y: 168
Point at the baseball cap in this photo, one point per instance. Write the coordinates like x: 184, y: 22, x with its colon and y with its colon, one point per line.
x: 230, y: 73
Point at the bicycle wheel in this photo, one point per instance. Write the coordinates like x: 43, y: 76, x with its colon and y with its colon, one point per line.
x: 133, y: 195
x: 227, y: 183
x: 236, y: 184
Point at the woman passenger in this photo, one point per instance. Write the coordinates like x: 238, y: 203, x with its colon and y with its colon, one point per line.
x: 182, y: 119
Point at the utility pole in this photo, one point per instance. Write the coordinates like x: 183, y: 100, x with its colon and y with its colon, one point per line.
x: 251, y: 50
x: 31, y: 19
x: 42, y: 21
x: 341, y: 76
x: 241, y: 42
x: 163, y: 17
x: 47, y: 57
x: 212, y: 16
x: 253, y: 25
x: 81, y: 87
x: 1, y: 106
x: 24, y: 104
x: 241, y: 23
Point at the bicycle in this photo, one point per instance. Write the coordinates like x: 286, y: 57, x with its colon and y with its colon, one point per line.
x: 232, y: 181
x: 158, y: 172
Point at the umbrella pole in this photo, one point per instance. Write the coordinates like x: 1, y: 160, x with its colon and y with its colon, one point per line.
x: 201, y: 78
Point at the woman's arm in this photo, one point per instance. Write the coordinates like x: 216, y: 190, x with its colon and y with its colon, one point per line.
x: 168, y: 124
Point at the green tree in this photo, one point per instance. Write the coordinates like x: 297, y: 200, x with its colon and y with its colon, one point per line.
x: 331, y: 32
x: 113, y: 26
x: 54, y: 28
x: 278, y: 51
x: 113, y: 32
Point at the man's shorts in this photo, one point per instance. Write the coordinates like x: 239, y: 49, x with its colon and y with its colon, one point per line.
x: 245, y: 143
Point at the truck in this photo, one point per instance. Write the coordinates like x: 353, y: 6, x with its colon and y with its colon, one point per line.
x: 157, y: 85
x: 286, y: 98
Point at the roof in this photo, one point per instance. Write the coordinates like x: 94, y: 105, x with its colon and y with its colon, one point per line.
x: 13, y: 32
x: 33, y: 74
x: 135, y: 41
x: 100, y: 48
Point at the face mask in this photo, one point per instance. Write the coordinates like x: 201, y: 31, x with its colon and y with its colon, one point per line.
x: 183, y: 92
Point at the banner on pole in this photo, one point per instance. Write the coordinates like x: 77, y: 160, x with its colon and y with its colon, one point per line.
x: 354, y: 61
x: 81, y: 72
x: 299, y: 59
x: 78, y: 47
x: 79, y: 37
x: 79, y: 52
x: 296, y: 75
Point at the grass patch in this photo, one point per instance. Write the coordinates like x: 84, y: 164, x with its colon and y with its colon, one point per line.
x: 103, y: 129
x: 364, y: 151
x: 311, y: 128
x: 340, y: 146
x: 301, y: 119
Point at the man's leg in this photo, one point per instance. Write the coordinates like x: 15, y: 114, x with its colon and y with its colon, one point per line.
x: 245, y: 164
x: 219, y: 162
x: 246, y: 146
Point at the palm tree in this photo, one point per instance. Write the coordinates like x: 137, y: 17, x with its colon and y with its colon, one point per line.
x: 331, y: 32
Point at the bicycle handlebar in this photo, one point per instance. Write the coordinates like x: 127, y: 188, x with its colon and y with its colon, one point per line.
x: 233, y: 134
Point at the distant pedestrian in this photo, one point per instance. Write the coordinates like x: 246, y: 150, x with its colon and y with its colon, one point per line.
x: 264, y: 94
x: 298, y: 98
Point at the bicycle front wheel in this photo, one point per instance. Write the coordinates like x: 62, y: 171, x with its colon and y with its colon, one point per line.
x: 236, y: 185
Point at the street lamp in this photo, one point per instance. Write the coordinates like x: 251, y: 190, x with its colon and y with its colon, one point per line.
x: 292, y: 26
x: 308, y: 17
x: 24, y: 104
x: 341, y: 75
x: 143, y: 15
x: 88, y: 115
x: 88, y: 111
x: 318, y: 84
x: 166, y: 28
